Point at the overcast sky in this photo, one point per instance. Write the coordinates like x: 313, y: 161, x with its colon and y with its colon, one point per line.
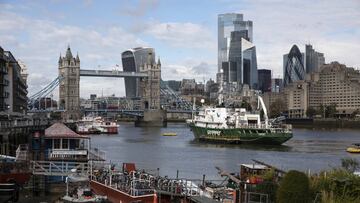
x: 183, y: 33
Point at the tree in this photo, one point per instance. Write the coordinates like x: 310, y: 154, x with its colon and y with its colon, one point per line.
x: 350, y: 164
x: 330, y: 110
x: 246, y: 105
x: 354, y: 113
x: 310, y: 112
x: 277, y: 108
x: 294, y: 188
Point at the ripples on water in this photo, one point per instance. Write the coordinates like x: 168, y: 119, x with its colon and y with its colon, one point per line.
x: 309, y: 149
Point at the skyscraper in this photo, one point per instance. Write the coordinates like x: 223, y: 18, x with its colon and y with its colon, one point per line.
x: 313, y: 59
x: 236, y: 53
x: 264, y: 80
x: 293, y: 67
x: 132, y: 60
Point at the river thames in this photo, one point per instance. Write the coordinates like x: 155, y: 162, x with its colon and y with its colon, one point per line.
x: 309, y: 149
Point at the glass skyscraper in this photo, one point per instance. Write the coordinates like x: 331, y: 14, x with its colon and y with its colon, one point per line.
x: 236, y: 53
x: 132, y: 60
x: 294, y: 68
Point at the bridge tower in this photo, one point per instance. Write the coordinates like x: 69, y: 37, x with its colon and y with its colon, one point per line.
x: 69, y: 96
x: 150, y: 86
x: 150, y: 94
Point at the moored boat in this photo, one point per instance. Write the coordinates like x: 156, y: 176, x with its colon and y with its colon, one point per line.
x: 236, y: 125
x: 354, y: 149
x: 96, y: 125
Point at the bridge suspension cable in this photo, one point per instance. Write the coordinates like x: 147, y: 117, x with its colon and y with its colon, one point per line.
x: 44, y: 92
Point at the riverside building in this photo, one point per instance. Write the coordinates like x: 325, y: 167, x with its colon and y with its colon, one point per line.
x: 13, y: 87
x: 335, y: 84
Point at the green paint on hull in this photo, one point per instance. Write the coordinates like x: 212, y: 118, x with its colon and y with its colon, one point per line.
x: 240, y: 135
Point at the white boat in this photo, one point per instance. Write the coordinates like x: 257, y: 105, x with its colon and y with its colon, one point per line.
x: 96, y: 125
x: 81, y: 192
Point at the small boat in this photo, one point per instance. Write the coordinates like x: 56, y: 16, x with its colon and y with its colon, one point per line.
x: 81, y: 192
x: 355, y: 149
x: 169, y: 134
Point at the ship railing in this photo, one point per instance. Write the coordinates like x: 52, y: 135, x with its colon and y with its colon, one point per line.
x: 58, y: 168
x: 96, y: 154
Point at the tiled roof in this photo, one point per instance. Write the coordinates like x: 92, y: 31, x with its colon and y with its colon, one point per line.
x: 59, y: 130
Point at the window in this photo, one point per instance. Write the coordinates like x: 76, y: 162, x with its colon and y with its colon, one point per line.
x: 56, y: 143
x: 65, y: 144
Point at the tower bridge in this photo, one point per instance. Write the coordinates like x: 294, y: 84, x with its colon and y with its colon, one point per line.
x: 151, y: 88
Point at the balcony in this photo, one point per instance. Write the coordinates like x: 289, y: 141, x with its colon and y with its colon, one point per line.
x: 68, y: 154
x: 4, y: 82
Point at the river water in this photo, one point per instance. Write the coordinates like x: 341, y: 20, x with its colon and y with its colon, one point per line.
x: 309, y: 149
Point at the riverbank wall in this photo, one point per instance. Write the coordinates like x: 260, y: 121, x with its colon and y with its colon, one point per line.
x: 323, y: 123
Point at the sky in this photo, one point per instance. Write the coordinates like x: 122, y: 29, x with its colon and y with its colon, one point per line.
x: 183, y: 33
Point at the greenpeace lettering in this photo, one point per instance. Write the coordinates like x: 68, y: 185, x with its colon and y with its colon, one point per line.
x: 213, y: 132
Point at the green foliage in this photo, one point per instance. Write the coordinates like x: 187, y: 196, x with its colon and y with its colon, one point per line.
x: 331, y: 110
x: 310, y: 112
x: 269, y: 175
x: 293, y: 188
x: 246, y: 105
x: 269, y: 188
x: 277, y: 108
x: 336, y: 186
x: 350, y: 164
x: 353, y: 114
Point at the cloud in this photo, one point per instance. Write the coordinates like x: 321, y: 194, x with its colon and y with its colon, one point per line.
x: 332, y: 27
x: 189, y: 70
x: 184, y: 35
x: 139, y: 9
x: 39, y: 42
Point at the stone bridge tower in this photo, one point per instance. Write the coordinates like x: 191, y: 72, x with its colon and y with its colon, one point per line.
x: 150, y: 86
x: 150, y: 95
x: 69, y: 96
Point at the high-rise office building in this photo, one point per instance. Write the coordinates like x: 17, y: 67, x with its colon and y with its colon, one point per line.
x: 264, y: 76
x: 236, y: 52
x: 293, y: 66
x: 313, y: 59
x: 132, y: 60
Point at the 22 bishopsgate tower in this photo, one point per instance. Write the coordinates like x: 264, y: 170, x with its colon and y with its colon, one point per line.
x: 236, y: 52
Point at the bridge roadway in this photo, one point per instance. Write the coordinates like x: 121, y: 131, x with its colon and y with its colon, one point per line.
x: 112, y: 73
x: 137, y: 111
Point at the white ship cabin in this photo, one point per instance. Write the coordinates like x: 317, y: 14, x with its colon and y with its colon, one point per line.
x: 64, y: 144
x: 227, y: 118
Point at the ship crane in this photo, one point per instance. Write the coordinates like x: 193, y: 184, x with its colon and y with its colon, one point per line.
x: 263, y: 107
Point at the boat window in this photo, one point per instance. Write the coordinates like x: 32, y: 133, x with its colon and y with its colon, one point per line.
x: 56, y: 144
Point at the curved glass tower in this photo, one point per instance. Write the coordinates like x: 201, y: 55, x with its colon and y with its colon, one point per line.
x: 132, y: 60
x: 294, y: 69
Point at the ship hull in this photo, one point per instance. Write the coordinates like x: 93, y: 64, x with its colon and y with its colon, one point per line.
x: 240, y: 135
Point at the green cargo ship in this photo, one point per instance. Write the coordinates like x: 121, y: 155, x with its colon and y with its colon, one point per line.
x: 237, y: 126
x: 275, y: 136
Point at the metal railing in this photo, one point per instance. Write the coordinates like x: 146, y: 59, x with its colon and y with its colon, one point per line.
x: 58, y: 168
x: 22, y: 152
x: 67, y: 154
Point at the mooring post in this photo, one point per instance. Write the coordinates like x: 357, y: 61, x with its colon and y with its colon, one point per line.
x: 177, y: 174
x: 203, y: 180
